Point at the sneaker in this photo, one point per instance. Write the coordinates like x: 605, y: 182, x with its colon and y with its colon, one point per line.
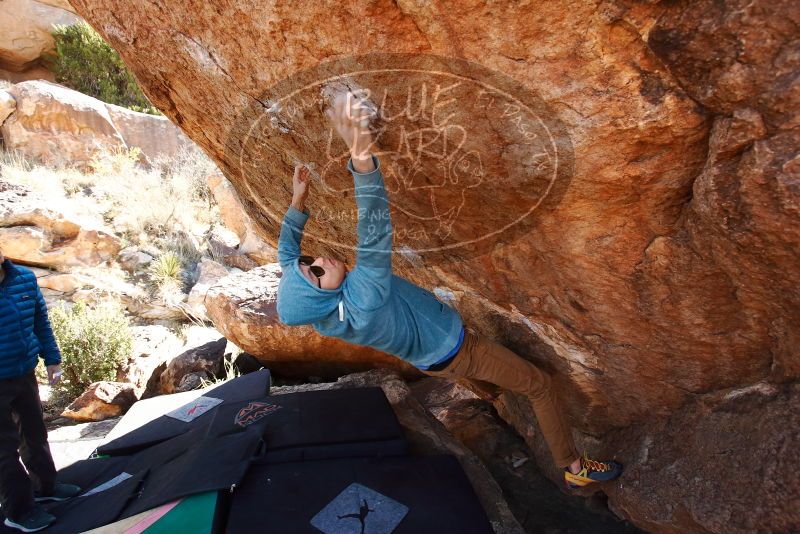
x: 61, y: 492
x: 592, y: 471
x: 36, y: 519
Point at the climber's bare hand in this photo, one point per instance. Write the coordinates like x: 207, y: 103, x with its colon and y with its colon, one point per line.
x: 350, y: 115
x: 300, y: 186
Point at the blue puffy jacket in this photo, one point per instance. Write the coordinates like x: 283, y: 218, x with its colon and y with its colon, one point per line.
x: 25, y: 331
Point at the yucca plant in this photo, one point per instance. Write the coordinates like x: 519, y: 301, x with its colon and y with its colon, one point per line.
x: 166, y: 270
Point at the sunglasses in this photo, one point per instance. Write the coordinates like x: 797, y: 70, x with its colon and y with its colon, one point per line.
x: 318, y: 271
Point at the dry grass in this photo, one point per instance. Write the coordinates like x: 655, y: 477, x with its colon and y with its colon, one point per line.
x: 164, y: 209
x: 158, y: 206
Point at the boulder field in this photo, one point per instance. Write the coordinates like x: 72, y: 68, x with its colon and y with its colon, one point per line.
x: 612, y: 189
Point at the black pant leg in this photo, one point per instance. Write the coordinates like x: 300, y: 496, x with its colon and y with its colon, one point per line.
x: 34, y: 449
x: 16, y: 492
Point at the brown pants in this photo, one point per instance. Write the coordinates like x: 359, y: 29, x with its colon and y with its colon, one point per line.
x: 482, y: 359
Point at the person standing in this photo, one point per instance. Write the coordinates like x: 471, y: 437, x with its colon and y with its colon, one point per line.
x: 25, y: 335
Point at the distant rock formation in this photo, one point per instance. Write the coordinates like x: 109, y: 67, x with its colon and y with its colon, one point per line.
x: 35, y: 235
x: 25, y: 36
x: 56, y: 125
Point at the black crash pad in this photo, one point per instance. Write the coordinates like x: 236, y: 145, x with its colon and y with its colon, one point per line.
x: 94, y: 471
x: 295, y: 426
x: 317, y: 424
x: 91, y: 511
x: 214, y: 463
x: 185, y: 465
x: 426, y: 494
x: 243, y: 388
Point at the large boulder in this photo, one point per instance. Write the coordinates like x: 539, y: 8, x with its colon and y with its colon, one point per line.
x: 610, y: 189
x: 57, y: 125
x: 647, y: 278
x: 243, y: 307
x: 36, y: 235
x: 25, y: 31
x: 155, y: 135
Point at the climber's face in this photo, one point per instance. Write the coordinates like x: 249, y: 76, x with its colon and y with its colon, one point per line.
x: 325, y: 273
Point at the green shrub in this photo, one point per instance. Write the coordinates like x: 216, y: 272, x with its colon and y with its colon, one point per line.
x: 85, y: 62
x: 94, y: 343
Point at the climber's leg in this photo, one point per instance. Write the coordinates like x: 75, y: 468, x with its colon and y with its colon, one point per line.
x: 482, y: 359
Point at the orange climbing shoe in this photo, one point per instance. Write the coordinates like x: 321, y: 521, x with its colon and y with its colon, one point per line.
x: 592, y: 471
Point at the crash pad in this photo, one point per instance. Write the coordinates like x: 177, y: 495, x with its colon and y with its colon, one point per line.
x: 147, y: 423
x: 317, y: 424
x: 400, y: 495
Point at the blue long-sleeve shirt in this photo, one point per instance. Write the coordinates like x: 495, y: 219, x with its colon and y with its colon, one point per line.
x: 372, y: 306
x: 25, y: 332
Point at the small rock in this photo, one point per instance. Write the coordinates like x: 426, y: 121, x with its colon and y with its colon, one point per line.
x: 220, y: 235
x: 153, y: 347
x: 133, y: 260
x: 245, y: 363
x: 190, y: 382
x: 62, y: 282
x: 518, y: 459
x: 240, y: 262
x: 100, y: 401
x: 205, y: 361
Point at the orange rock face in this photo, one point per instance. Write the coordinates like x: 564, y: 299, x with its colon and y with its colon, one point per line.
x: 612, y: 189
x: 670, y: 263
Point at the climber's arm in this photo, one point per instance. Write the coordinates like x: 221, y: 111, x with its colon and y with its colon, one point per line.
x: 295, y: 219
x: 367, y: 286
x: 370, y: 281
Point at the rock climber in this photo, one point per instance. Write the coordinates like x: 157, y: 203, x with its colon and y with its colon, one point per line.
x: 370, y: 306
